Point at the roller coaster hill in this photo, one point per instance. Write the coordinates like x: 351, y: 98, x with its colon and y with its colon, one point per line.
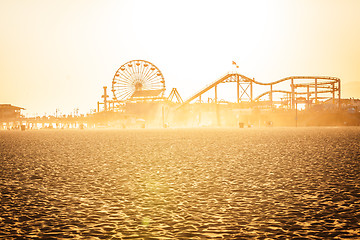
x: 138, y: 89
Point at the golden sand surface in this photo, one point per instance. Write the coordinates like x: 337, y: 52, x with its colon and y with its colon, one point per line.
x: 180, y: 183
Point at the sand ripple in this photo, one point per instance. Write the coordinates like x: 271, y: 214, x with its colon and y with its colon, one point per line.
x: 181, y: 184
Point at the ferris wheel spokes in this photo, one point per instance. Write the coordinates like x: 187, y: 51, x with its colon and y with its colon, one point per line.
x: 138, y: 76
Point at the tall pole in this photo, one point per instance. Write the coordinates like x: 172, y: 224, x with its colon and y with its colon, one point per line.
x: 105, y: 96
x: 215, y: 94
x: 308, y: 97
x: 200, y: 110
x: 271, y: 95
x: 292, y: 94
x: 238, y: 90
x: 251, y: 91
x: 217, y: 107
x: 339, y: 89
x: 316, y: 100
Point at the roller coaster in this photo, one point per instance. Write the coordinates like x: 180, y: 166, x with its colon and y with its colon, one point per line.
x: 308, y: 90
x: 141, y: 81
x: 138, y: 89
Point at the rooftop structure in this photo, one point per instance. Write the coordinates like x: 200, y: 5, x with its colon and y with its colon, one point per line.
x: 9, y: 112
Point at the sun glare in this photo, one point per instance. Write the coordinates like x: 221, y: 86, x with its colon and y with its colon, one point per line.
x: 187, y: 119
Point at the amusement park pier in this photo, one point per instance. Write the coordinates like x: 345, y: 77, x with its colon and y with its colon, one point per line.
x: 138, y: 99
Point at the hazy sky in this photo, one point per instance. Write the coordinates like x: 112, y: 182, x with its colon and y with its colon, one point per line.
x: 59, y: 54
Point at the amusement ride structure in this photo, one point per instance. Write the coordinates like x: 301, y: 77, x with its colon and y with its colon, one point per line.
x: 138, y: 88
x: 141, y: 81
x: 299, y: 89
x: 138, y: 80
x: 135, y: 81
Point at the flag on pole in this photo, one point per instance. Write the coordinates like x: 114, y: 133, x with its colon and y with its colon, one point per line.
x: 234, y: 63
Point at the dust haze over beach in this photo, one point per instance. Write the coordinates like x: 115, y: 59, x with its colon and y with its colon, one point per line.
x: 180, y: 183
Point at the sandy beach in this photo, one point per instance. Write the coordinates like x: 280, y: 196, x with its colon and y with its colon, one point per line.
x: 180, y: 183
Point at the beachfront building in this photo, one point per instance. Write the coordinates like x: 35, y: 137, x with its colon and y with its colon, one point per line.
x: 9, y: 115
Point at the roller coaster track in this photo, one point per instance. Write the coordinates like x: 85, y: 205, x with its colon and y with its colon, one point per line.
x: 299, y: 77
x: 282, y: 91
x: 213, y: 84
x: 268, y: 92
x: 233, y: 77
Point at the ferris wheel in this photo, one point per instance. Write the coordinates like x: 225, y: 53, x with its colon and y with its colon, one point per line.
x: 138, y: 79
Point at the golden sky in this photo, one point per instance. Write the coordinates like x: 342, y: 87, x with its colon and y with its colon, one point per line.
x: 59, y: 54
